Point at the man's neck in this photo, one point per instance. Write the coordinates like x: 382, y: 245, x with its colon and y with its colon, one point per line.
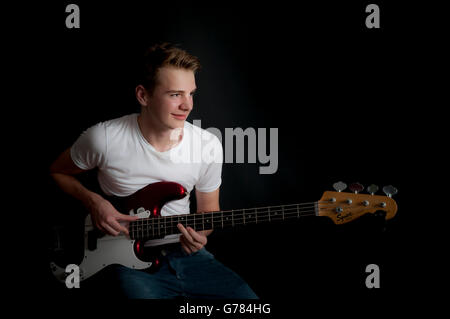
x: 160, y: 137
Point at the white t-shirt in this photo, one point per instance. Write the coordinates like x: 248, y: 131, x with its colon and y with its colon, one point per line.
x: 127, y: 162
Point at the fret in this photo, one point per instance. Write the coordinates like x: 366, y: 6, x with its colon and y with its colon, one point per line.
x: 256, y: 216
x: 221, y: 218
x: 190, y: 221
x: 275, y: 215
x: 172, y: 226
x: 145, y: 226
x: 243, y: 214
x: 166, y: 225
x: 186, y: 221
x: 139, y: 228
x: 207, y: 221
x: 227, y: 218
x: 153, y: 227
x: 298, y: 211
x: 179, y: 221
x: 159, y: 229
x: 161, y: 226
x: 193, y: 219
x: 183, y: 220
x: 142, y: 227
x: 282, y: 210
x: 216, y: 219
x: 232, y: 218
x: 263, y: 215
x: 250, y: 216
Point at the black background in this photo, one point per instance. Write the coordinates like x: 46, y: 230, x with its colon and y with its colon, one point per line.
x: 344, y: 99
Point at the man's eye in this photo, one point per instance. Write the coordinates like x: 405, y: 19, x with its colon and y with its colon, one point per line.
x: 175, y: 94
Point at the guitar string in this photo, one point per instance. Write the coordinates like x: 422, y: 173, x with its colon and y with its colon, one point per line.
x: 156, y: 231
x: 169, y: 224
x: 314, y: 204
x: 219, y: 214
x: 169, y: 221
x: 141, y: 225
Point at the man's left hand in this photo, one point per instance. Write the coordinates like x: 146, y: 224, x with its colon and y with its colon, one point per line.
x: 190, y: 240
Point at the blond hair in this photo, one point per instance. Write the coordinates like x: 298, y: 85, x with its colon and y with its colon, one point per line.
x: 163, y: 55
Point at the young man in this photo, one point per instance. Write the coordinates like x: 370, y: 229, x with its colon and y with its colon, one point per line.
x: 138, y: 149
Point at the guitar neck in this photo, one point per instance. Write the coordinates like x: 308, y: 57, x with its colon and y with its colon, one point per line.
x: 158, y: 227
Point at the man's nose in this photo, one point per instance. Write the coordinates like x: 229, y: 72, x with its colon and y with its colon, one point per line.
x: 187, y: 103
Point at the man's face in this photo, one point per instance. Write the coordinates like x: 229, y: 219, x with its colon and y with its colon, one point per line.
x: 172, y: 98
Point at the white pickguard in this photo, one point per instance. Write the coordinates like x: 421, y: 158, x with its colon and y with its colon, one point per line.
x: 110, y: 250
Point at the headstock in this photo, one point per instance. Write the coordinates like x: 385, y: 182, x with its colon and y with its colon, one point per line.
x: 343, y: 207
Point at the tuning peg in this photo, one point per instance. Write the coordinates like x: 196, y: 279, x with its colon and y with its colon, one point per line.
x: 372, y: 189
x: 356, y: 187
x: 339, y: 186
x: 390, y: 190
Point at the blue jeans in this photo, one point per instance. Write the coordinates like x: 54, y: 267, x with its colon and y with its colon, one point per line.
x: 197, y: 275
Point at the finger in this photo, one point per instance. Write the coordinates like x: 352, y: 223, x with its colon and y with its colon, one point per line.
x: 196, y: 240
x: 99, y: 226
x: 193, y: 246
x: 196, y: 236
x: 110, y: 230
x: 126, y: 217
x: 118, y: 227
x: 185, y: 232
x: 184, y: 245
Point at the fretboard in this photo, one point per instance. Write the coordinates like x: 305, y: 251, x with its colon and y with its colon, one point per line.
x: 158, y: 227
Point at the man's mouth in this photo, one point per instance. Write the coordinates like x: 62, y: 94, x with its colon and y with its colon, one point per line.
x: 179, y: 116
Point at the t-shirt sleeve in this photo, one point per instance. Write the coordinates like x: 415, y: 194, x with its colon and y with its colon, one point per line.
x: 211, y: 173
x: 89, y: 150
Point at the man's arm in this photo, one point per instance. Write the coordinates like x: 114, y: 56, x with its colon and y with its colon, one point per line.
x: 207, y: 202
x: 104, y: 215
x: 191, y: 240
x: 63, y: 170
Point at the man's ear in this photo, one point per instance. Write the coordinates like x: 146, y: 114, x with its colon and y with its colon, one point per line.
x: 141, y: 95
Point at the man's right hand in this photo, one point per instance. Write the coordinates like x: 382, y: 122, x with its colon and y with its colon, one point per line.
x: 106, y: 218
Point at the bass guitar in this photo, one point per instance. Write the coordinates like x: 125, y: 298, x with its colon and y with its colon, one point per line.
x: 101, y: 250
